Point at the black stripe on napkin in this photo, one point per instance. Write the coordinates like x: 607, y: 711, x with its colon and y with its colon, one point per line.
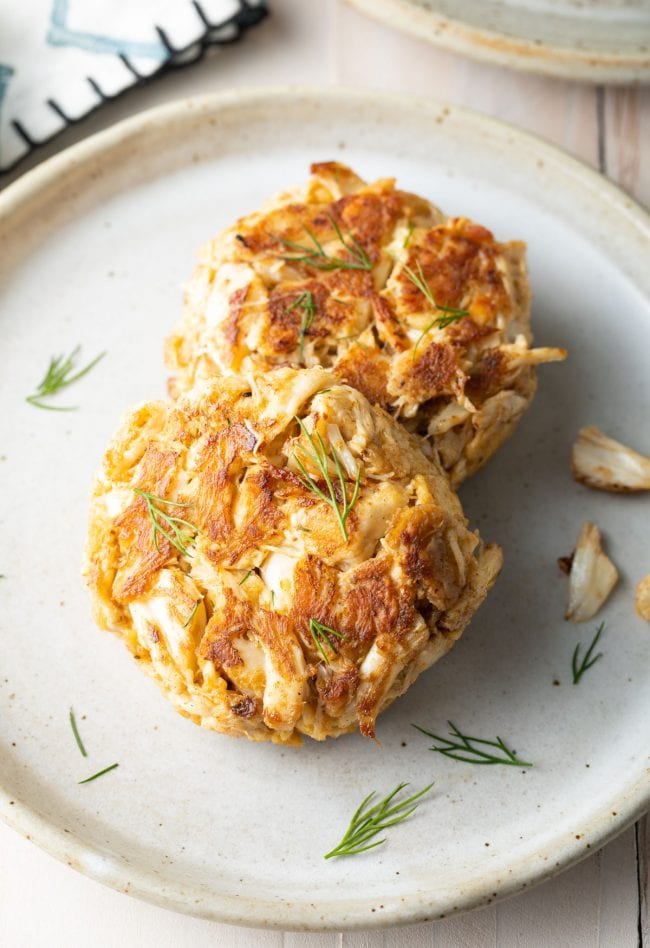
x: 223, y: 33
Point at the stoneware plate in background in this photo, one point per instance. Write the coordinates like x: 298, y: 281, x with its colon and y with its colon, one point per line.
x: 94, y: 246
x: 603, y: 41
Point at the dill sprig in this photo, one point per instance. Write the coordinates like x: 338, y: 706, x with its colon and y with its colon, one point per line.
x: 242, y: 581
x: 318, y: 258
x: 368, y: 822
x: 178, y: 538
x: 192, y: 614
x: 318, y: 456
x: 100, y: 773
x: 321, y: 636
x: 409, y: 234
x: 450, y: 313
x: 57, y: 377
x: 77, y: 736
x: 580, y: 666
x: 306, y: 301
x: 462, y: 747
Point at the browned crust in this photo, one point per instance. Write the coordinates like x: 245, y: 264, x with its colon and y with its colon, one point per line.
x: 367, y: 371
x: 459, y: 262
x: 397, y: 590
x: 433, y: 371
x: 463, y: 264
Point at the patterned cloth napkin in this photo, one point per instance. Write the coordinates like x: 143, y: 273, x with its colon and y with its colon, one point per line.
x: 61, y: 59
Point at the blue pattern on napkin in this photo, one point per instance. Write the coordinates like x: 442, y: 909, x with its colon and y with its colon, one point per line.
x: 59, y: 34
x: 6, y: 72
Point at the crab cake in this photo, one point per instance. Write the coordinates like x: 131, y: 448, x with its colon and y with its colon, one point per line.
x: 280, y: 555
x: 428, y: 316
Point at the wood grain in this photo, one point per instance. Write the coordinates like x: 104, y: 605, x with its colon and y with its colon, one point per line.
x: 627, y: 140
x: 643, y: 879
x: 369, y: 54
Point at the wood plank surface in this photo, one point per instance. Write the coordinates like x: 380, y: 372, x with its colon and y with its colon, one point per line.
x: 643, y: 879
x: 627, y: 140
x: 369, y: 54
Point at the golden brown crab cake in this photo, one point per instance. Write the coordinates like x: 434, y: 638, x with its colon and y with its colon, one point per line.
x: 280, y: 555
x: 427, y: 316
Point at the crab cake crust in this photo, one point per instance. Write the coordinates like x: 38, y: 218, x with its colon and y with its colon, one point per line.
x: 217, y: 604
x: 323, y: 275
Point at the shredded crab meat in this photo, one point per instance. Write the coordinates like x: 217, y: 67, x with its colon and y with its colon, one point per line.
x: 227, y: 631
x: 643, y: 598
x: 605, y: 464
x: 592, y: 576
x: 427, y: 315
x: 446, y: 419
x: 345, y: 455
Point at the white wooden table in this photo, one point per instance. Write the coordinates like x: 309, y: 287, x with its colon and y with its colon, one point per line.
x: 602, y: 901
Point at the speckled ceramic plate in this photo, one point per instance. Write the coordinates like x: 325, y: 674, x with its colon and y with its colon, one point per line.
x: 94, y: 246
x: 603, y: 41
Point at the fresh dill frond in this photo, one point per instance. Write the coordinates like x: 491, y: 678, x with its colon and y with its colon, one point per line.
x: 319, y: 457
x: 368, y: 821
x: 178, y: 537
x: 450, y: 313
x: 100, y: 773
x: 306, y: 301
x: 77, y: 736
x: 578, y: 666
x: 242, y: 581
x: 409, y: 234
x: 315, y: 255
x: 462, y: 747
x: 192, y: 614
x: 321, y: 636
x: 57, y: 377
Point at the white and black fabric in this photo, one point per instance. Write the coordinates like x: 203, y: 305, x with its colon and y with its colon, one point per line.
x: 61, y: 59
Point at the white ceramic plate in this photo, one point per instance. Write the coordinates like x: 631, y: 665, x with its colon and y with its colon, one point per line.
x: 603, y: 41
x: 93, y: 248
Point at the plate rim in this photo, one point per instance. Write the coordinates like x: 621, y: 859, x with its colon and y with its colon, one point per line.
x: 144, y: 883
x: 491, y: 46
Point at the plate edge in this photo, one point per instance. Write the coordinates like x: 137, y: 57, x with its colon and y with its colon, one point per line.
x: 499, y: 49
x: 70, y: 848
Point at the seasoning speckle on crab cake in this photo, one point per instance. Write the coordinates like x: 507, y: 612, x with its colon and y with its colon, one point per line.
x: 428, y: 316
x: 279, y: 554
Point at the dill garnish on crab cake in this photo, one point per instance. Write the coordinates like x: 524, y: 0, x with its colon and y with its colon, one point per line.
x: 279, y: 555
x: 428, y: 316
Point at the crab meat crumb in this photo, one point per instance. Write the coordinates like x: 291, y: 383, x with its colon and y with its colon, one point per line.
x: 605, y: 464
x: 643, y: 598
x: 592, y: 576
